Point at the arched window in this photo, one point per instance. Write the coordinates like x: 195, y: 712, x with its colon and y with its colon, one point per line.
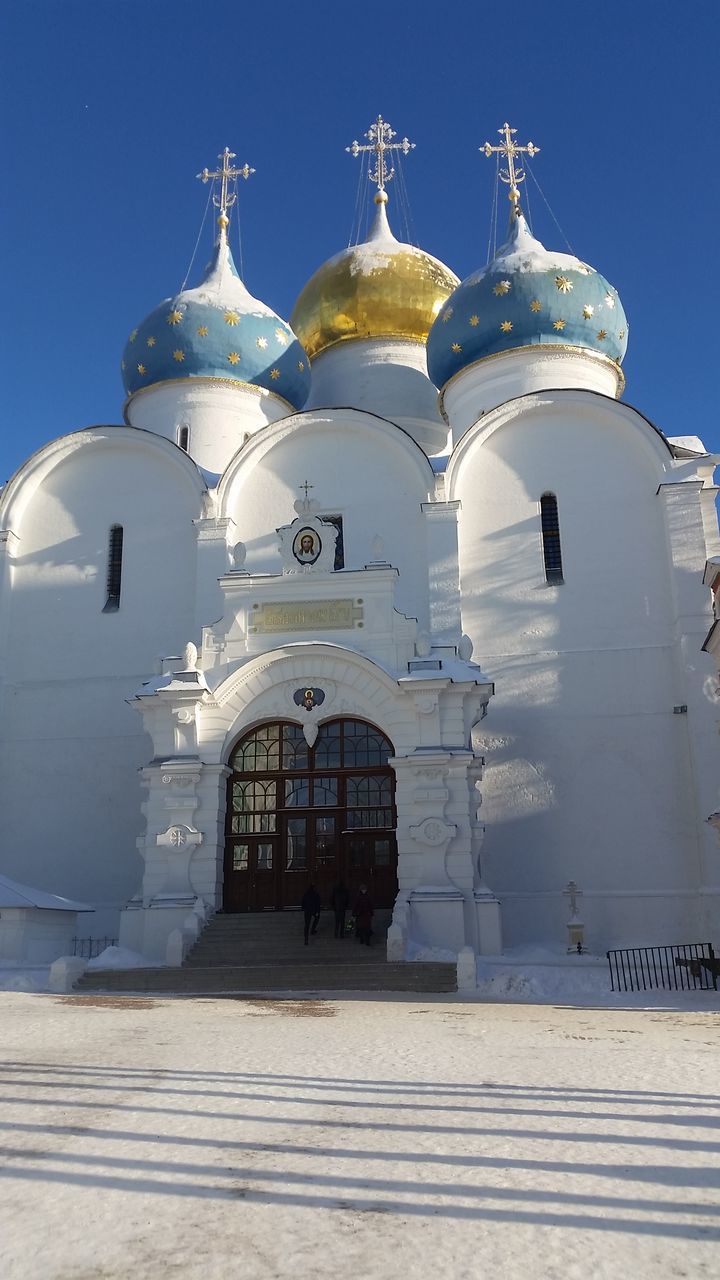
x: 114, y: 568
x: 552, y: 553
x: 184, y: 437
x: 298, y: 814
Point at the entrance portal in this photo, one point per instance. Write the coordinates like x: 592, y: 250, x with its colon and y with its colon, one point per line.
x: 298, y: 815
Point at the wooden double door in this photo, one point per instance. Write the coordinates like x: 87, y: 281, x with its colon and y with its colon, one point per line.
x: 298, y: 815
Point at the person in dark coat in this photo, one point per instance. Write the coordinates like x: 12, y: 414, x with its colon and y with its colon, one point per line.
x: 363, y: 912
x: 339, y: 900
x: 311, y: 910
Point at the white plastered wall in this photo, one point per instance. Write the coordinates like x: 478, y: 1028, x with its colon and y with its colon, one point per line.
x: 589, y: 773
x: 70, y: 746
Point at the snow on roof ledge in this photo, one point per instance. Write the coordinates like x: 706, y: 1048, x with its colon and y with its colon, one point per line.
x: 682, y: 445
x: 13, y: 894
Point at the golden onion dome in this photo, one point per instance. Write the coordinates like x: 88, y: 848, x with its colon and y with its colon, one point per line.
x: 378, y: 289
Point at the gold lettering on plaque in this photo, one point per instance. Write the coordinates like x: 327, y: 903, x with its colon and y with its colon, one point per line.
x: 306, y: 615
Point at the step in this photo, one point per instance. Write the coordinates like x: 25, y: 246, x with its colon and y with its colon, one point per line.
x: 379, y: 976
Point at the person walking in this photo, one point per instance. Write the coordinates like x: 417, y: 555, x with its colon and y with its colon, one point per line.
x: 363, y: 912
x: 311, y: 910
x: 339, y: 900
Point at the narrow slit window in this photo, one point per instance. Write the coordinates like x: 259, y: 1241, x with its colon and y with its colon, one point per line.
x: 184, y: 438
x: 114, y: 569
x: 552, y: 553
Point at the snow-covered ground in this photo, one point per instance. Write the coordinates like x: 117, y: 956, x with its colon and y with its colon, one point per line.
x: 378, y: 1136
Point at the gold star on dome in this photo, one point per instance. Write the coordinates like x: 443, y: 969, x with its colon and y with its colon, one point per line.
x: 261, y: 343
x: 501, y: 288
x: 559, y: 325
x: 122, y: 365
x: 563, y: 284
x: 281, y: 336
x: 179, y: 355
x: 588, y: 312
x: 506, y: 326
x: 301, y: 366
x: 141, y: 368
x: 609, y: 300
x: 202, y: 331
x: 174, y: 317
x: 234, y: 357
x: 151, y: 342
x: 447, y: 315
x: 231, y: 318
x: 621, y: 334
x: 456, y: 347
x: 274, y: 374
x: 601, y: 334
x: 474, y: 321
x: 133, y: 335
x: 535, y: 304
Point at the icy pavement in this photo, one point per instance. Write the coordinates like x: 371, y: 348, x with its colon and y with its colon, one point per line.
x: 371, y: 1136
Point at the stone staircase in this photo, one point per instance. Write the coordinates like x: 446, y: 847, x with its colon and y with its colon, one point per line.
x: 265, y: 952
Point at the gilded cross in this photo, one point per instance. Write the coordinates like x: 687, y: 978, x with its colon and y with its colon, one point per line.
x: 380, y: 137
x: 226, y: 174
x: 307, y: 487
x: 514, y: 174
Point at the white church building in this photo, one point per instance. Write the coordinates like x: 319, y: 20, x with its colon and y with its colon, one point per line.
x: 400, y: 592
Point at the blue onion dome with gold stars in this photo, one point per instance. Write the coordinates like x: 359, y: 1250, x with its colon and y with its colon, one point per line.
x: 217, y: 331
x: 527, y: 296
x: 380, y: 288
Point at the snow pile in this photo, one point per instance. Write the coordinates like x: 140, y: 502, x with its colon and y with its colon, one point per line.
x: 119, y: 958
x: 540, y: 973
x: 23, y: 977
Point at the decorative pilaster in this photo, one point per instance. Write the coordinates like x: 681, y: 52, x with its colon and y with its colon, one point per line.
x: 443, y: 571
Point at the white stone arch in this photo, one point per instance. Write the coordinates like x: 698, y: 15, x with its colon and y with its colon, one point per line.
x: 653, y: 443
x: 29, y: 478
x: 386, y: 434
x: 262, y: 690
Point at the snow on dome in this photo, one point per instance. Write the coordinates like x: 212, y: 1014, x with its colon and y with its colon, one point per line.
x: 527, y: 295
x: 217, y: 330
x: 381, y: 288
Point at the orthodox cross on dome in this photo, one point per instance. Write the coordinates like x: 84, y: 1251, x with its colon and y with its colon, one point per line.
x: 514, y: 174
x: 227, y: 173
x: 380, y: 137
x: 307, y: 487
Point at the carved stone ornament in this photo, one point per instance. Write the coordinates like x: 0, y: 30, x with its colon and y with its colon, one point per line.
x: 433, y: 832
x: 237, y: 555
x: 177, y: 836
x: 190, y: 657
x: 308, y: 545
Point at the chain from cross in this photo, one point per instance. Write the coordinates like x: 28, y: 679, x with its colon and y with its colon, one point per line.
x: 307, y: 487
x: 226, y: 173
x: 513, y: 175
x: 380, y: 137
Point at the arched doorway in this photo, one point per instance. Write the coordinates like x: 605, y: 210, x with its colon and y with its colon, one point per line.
x: 298, y: 814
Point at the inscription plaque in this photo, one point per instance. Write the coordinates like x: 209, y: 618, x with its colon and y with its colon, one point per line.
x: 306, y: 615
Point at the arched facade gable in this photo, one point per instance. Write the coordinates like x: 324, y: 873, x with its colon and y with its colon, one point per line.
x: 30, y: 477
x: 380, y: 431
x: 263, y: 689
x: 653, y: 442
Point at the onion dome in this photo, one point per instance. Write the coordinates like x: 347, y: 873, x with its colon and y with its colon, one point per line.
x: 527, y: 296
x: 381, y: 288
x: 217, y: 331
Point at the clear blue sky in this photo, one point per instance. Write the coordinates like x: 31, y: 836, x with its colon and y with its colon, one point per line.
x: 109, y: 109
